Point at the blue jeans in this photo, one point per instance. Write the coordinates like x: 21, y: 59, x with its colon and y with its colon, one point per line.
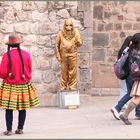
x: 123, y: 89
x: 127, y: 97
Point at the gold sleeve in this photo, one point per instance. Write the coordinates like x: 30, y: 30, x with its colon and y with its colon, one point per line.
x: 79, y: 40
x: 57, y: 49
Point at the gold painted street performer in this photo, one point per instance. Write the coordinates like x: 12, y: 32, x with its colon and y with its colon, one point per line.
x: 67, y: 42
x: 16, y: 91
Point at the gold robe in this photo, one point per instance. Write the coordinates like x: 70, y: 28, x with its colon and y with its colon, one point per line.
x: 66, y: 54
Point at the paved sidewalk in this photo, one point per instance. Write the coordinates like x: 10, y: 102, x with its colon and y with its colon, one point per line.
x: 92, y: 120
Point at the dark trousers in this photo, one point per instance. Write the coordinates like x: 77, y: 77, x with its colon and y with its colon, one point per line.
x: 9, y: 118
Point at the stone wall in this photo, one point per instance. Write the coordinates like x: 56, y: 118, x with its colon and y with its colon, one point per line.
x: 103, y: 25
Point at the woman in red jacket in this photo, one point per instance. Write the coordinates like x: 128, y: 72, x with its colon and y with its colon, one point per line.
x: 16, y: 91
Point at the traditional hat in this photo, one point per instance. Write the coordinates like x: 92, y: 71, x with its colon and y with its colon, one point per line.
x: 13, y: 39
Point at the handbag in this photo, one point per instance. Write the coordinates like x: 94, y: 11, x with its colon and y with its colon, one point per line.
x: 121, y: 67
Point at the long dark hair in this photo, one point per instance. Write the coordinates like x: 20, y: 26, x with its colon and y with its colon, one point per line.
x: 10, y: 61
x: 124, y: 45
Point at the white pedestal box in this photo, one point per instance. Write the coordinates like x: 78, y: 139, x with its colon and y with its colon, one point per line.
x: 69, y: 99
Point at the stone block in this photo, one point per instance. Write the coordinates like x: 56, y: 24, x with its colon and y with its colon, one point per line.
x: 48, y: 76
x: 98, y: 12
x: 59, y: 4
x: 85, y: 6
x: 85, y: 88
x: 28, y: 5
x: 107, y: 15
x: 22, y: 27
x: 105, y: 91
x: 9, y: 15
x: 63, y: 13
x: 85, y: 75
x: 136, y: 26
x: 98, y: 55
x: 115, y: 91
x: 105, y: 68
x: 52, y: 16
x: 88, y: 22
x: 6, y: 28
x: 100, y: 27
x: 130, y: 17
x: 80, y: 15
x: 48, y: 52
x: 109, y: 26
x: 34, y: 28
x: 122, y: 34
x: 87, y: 32
x: 84, y: 60
x: 29, y: 40
x: 120, y: 17
x: 24, y: 16
x: 87, y: 45
x: 41, y: 6
x: 43, y: 40
x: 105, y: 80
x: 17, y: 5
x: 100, y: 39
x: 37, y: 78
x: 95, y: 91
x: 48, y: 100
x: 48, y: 28
x: 95, y: 68
x: 45, y: 64
x: 73, y: 12
x: 55, y: 64
x: 118, y: 26
x: 2, y: 12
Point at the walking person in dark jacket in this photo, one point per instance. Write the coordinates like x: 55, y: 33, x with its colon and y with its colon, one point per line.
x: 129, y: 83
x: 134, y: 68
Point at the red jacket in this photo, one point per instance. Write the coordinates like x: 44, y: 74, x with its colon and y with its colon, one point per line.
x: 16, y: 67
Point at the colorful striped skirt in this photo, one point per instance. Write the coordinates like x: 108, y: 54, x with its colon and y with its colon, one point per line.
x: 18, y: 97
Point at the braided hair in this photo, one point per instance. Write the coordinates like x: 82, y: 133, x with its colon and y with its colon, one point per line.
x: 10, y: 61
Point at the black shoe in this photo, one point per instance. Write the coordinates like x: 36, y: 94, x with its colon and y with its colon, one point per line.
x: 19, y: 131
x: 126, y: 121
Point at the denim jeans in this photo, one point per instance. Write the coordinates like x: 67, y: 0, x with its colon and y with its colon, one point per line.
x: 123, y: 90
x: 127, y: 97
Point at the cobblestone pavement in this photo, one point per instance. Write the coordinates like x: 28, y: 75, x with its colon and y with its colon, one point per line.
x: 92, y: 120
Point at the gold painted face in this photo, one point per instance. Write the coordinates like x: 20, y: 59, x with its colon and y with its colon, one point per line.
x: 68, y: 25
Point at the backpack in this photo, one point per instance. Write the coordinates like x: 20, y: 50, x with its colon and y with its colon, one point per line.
x: 121, y: 67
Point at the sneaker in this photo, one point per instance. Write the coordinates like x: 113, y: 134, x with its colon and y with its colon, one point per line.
x: 115, y: 113
x: 126, y: 121
x: 19, y: 131
x: 8, y: 133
